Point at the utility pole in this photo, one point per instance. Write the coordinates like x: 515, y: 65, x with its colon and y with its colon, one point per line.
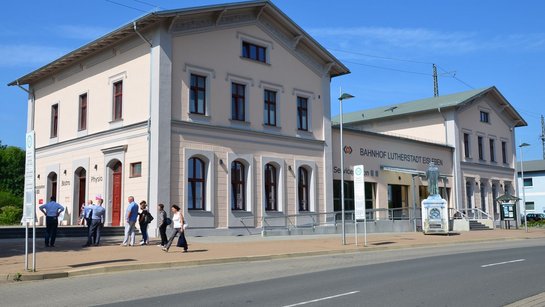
x: 542, y: 136
x: 435, y: 83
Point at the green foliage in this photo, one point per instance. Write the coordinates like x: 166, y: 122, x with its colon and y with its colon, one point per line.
x: 537, y: 224
x: 10, y: 215
x: 8, y: 199
x: 12, y: 169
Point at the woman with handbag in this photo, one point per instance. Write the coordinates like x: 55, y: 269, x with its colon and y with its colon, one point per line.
x: 179, y: 227
x: 144, y: 218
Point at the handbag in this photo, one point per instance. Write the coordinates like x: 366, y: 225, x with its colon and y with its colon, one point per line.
x: 168, y: 221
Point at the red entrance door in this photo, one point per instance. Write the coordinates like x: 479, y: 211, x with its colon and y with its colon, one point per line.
x: 116, y: 199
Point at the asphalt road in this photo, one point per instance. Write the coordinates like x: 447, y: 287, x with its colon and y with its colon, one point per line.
x: 486, y: 274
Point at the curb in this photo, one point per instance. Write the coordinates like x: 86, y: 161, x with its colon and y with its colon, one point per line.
x: 29, y: 276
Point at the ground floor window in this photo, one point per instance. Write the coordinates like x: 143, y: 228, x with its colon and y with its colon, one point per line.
x: 370, y: 196
x: 398, y: 201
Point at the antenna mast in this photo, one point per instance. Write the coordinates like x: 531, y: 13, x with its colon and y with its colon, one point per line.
x: 542, y: 136
x: 436, y: 84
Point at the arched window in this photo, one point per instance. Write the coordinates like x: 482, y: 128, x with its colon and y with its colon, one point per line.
x: 196, y: 187
x: 303, y: 189
x: 271, y: 188
x: 238, y: 186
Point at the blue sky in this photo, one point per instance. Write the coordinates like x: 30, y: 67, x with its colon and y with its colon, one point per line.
x: 475, y: 44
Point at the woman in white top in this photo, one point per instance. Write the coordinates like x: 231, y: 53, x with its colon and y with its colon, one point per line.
x: 178, y: 223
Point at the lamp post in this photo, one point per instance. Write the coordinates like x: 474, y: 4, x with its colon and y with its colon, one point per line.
x: 344, y: 96
x: 523, y: 189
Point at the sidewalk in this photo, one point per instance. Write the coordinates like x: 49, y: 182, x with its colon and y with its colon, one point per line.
x: 68, y: 258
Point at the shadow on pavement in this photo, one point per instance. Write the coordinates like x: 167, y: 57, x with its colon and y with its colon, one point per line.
x: 99, y: 262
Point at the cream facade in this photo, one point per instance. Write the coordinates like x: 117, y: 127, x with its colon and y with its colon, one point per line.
x: 478, y: 125
x: 223, y: 110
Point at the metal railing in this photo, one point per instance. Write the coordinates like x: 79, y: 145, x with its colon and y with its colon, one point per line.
x: 315, y: 219
x: 469, y: 214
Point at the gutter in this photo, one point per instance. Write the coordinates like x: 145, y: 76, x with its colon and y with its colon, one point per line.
x: 149, y: 106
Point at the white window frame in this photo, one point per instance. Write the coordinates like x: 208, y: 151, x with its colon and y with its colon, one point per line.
x: 209, y: 74
x: 248, y: 161
x: 311, y: 166
x: 280, y: 179
x: 248, y: 82
x: 310, y: 101
x: 243, y: 37
x: 209, y: 170
x: 122, y: 76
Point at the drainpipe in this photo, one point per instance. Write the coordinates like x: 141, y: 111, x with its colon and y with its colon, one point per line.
x: 149, y: 107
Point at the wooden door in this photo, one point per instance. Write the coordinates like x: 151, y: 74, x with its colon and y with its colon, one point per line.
x: 116, y: 199
x: 81, y: 194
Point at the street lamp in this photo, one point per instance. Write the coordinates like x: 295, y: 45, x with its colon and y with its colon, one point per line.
x: 523, y: 189
x: 344, y: 96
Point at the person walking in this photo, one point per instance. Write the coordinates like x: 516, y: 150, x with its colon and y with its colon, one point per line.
x: 97, y: 218
x: 162, y: 223
x: 51, y: 210
x: 178, y: 221
x: 144, y: 218
x: 131, y: 215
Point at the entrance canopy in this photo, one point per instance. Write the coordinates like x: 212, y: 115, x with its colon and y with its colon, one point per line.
x: 410, y: 171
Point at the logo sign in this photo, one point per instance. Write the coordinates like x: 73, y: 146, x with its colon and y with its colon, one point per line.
x: 347, y: 150
x: 359, y: 192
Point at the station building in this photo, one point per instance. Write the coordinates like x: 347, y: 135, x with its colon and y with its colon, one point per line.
x: 225, y: 111
x: 533, y: 185
x: 470, y: 136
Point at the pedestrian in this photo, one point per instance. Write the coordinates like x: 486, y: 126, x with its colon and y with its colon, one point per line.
x: 87, y: 217
x: 162, y: 223
x: 179, y: 228
x: 131, y: 215
x: 97, y: 218
x: 51, y: 210
x: 144, y: 218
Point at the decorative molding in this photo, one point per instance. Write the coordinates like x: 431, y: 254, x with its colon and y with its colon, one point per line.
x: 184, y: 25
x: 220, y: 15
x: 120, y: 148
x: 256, y: 40
x: 271, y: 85
x: 230, y: 76
x: 237, y: 18
x: 300, y: 92
x: 117, y: 77
x: 197, y: 68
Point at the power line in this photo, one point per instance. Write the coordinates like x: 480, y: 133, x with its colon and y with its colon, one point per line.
x: 149, y: 4
x: 381, y: 57
x: 127, y: 6
x: 390, y: 68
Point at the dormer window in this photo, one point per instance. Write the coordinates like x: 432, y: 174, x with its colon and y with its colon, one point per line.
x: 254, y: 52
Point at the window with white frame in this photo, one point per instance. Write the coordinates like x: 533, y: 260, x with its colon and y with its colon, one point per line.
x: 303, y: 189
x: 196, y: 184
x: 271, y: 188
x: 238, y: 186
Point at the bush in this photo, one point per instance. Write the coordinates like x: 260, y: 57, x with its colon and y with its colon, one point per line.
x: 8, y: 199
x: 538, y: 224
x: 10, y: 215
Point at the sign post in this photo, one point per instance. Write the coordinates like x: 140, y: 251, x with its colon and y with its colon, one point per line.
x: 359, y: 201
x: 29, y: 209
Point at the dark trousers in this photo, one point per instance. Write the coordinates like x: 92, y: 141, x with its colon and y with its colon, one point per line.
x: 94, y: 232
x: 163, y: 233
x: 182, y: 242
x: 51, y: 225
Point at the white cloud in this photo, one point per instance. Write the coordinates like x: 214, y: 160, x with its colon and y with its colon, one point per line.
x: 427, y: 40
x: 28, y: 55
x: 81, y: 32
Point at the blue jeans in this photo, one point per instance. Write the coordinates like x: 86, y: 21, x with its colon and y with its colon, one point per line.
x: 144, y: 230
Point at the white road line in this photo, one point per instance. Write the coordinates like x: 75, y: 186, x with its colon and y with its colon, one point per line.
x: 322, y: 299
x: 500, y: 263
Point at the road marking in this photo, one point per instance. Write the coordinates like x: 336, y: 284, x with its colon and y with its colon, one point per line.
x: 500, y: 263
x: 322, y: 299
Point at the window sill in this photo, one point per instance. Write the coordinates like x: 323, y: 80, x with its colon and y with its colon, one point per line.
x: 274, y: 213
x: 241, y: 213
x: 196, y: 117
x: 82, y: 133
x: 199, y: 213
x: 240, y: 123
x: 272, y: 128
x: 307, y: 134
x: 254, y: 61
x: 135, y: 176
x: 118, y: 123
x: 53, y: 140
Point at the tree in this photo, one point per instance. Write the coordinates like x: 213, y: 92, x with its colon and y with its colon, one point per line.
x: 12, y: 169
